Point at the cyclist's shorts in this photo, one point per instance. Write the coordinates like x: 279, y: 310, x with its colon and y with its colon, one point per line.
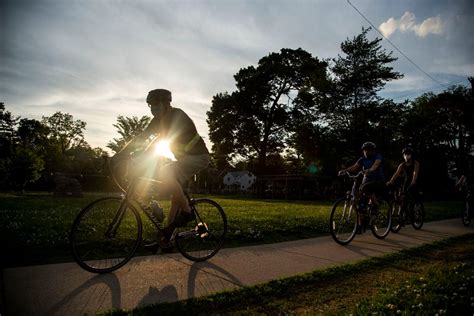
x: 185, y: 167
x: 377, y: 187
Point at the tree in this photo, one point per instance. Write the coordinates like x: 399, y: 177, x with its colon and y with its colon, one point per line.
x: 441, y: 127
x: 26, y: 166
x: 64, y: 131
x: 7, y: 131
x: 32, y: 133
x: 128, y: 128
x: 355, y: 112
x: 256, y: 120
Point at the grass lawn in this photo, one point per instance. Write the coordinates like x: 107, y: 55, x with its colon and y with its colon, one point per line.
x: 434, y: 279
x: 34, y: 228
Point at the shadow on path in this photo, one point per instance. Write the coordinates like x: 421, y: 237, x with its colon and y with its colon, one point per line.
x: 216, y: 271
x: 110, y: 280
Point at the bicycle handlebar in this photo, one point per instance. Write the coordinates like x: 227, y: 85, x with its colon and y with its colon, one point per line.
x: 354, y: 176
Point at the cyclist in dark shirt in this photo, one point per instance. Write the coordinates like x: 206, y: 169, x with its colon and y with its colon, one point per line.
x: 188, y: 147
x: 371, y: 164
x: 409, y: 169
x: 373, y: 181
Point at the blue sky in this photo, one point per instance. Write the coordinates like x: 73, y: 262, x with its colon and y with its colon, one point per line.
x: 98, y: 59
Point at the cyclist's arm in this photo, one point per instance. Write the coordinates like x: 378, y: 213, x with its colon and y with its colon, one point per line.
x: 355, y: 167
x: 461, y: 182
x: 137, y: 141
x: 415, y: 173
x: 375, y: 166
x: 396, y: 174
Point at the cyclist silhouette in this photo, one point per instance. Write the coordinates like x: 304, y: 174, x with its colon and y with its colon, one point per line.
x: 187, y: 146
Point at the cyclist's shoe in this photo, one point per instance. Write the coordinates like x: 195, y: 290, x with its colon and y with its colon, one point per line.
x: 182, y: 218
x: 165, y: 244
x: 360, y: 229
x: 153, y: 247
x: 164, y: 241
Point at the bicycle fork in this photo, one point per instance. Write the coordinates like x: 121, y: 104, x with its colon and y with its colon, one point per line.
x: 114, y: 225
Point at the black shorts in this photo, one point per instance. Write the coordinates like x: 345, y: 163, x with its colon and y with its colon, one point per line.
x: 370, y: 187
x: 184, y: 168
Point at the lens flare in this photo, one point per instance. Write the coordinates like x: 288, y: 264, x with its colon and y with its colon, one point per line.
x: 162, y: 149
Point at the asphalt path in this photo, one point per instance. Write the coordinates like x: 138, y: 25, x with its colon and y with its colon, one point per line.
x: 66, y: 289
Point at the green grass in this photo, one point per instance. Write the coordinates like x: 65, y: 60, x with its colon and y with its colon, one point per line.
x: 434, y: 279
x: 34, y: 228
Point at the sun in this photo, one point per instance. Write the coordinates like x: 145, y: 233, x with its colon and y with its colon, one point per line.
x: 162, y: 149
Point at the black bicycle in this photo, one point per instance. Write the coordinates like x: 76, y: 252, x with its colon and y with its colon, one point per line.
x: 348, y: 211
x: 107, y: 232
x: 407, y: 208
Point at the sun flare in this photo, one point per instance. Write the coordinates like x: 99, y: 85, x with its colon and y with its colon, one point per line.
x: 162, y: 149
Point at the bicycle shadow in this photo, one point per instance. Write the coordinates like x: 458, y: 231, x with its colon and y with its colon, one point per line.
x: 156, y: 295
x: 110, y: 280
x: 213, y: 271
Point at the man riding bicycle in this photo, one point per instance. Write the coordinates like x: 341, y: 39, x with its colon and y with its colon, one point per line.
x: 373, y: 181
x: 187, y: 146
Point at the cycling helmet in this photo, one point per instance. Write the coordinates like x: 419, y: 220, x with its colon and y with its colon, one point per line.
x: 407, y: 150
x: 157, y: 95
x: 368, y: 145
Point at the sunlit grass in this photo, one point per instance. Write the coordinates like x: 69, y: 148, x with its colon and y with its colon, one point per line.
x: 38, y: 225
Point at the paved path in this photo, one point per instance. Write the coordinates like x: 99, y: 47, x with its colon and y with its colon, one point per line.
x: 65, y: 289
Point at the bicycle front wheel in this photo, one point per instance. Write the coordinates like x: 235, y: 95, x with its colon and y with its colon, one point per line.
x: 343, y: 221
x: 381, y: 219
x: 397, y: 217
x: 417, y: 214
x: 202, y: 238
x: 105, y: 235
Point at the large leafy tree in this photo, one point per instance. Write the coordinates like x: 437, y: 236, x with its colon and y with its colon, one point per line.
x: 7, y: 131
x: 356, y: 112
x: 350, y: 111
x: 128, y: 128
x: 32, y: 133
x: 441, y: 129
x: 64, y: 131
x: 25, y: 167
x: 255, y: 121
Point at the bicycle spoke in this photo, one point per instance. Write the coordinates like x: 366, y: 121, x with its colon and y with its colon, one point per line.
x: 93, y: 249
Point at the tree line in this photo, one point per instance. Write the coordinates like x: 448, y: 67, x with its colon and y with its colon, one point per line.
x: 294, y: 110
x: 291, y: 113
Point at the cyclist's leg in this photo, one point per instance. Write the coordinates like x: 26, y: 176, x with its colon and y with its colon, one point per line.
x: 175, y: 173
x: 364, y: 193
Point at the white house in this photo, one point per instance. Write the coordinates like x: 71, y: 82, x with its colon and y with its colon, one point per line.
x: 241, y: 180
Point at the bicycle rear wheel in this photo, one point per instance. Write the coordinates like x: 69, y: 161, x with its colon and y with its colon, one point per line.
x: 343, y: 221
x: 466, y: 214
x: 202, y: 238
x: 381, y: 219
x: 417, y: 214
x: 105, y: 235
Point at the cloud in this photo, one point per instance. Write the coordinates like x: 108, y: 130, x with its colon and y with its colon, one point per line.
x: 407, y: 23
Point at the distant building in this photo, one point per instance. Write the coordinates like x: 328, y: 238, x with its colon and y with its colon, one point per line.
x: 239, y: 180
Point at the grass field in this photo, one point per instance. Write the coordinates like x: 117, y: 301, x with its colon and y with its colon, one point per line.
x: 34, y: 228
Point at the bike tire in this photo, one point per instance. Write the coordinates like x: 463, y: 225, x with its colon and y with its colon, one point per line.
x: 92, y: 249
x: 397, y: 218
x: 343, y: 221
x: 380, y: 220
x: 466, y: 214
x: 417, y: 215
x: 203, y: 237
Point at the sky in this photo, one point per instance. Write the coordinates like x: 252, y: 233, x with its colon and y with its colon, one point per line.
x: 98, y: 59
